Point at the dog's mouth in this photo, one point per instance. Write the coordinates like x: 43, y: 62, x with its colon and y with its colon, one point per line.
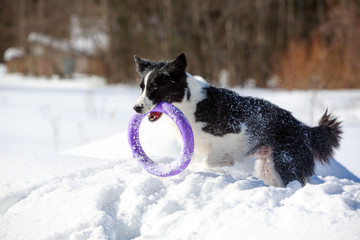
x: 154, y: 116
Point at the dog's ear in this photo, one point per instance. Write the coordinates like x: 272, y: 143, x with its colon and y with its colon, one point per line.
x: 179, y: 64
x: 142, y: 64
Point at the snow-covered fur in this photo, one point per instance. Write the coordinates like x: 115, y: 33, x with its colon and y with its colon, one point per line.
x: 229, y: 128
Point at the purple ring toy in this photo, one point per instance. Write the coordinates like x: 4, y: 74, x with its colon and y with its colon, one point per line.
x: 175, y: 167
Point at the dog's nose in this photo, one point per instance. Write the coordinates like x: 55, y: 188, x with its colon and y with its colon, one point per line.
x: 138, y: 108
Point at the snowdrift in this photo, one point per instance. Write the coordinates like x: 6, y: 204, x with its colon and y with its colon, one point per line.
x: 73, y: 196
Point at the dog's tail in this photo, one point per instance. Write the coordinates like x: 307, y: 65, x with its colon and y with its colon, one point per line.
x: 325, y: 138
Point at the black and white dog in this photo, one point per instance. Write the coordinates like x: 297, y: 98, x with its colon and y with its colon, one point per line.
x: 228, y: 127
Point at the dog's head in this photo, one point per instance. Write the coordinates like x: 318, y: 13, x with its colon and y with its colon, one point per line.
x: 160, y: 81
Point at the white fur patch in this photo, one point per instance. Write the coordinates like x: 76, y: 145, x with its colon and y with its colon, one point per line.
x: 264, y: 168
x: 143, y: 100
x: 227, y: 150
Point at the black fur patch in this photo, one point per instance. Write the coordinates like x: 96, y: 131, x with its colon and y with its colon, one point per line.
x: 219, y: 111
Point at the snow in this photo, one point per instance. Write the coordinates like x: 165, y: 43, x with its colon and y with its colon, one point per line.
x: 67, y: 172
x: 12, y: 53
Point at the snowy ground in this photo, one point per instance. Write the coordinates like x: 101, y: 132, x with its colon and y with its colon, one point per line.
x: 67, y: 173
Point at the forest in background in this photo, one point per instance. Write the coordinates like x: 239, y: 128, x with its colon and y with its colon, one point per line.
x: 302, y: 44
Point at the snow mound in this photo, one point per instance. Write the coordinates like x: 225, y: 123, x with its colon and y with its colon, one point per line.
x: 63, y: 196
x: 13, y: 53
